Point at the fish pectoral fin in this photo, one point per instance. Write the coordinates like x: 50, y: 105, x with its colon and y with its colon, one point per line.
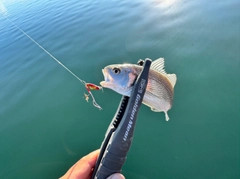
x: 159, y: 110
x: 166, y: 116
x: 156, y: 110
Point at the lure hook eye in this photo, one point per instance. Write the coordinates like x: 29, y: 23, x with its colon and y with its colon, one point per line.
x: 116, y: 70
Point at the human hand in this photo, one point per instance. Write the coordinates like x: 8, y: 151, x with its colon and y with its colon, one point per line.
x: 84, y: 167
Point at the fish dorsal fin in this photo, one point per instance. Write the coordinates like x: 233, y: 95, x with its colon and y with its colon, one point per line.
x: 172, y: 78
x: 158, y: 65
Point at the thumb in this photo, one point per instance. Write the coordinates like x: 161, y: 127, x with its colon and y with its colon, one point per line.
x: 116, y: 176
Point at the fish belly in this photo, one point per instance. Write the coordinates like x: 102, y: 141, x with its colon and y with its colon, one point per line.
x: 155, y: 103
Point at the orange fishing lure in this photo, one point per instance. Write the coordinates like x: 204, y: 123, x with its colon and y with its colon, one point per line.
x: 89, y: 87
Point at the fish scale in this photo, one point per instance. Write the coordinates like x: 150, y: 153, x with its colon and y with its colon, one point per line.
x: 163, y: 90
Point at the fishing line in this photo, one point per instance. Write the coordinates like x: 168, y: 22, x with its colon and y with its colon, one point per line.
x: 46, y: 51
x: 82, y: 81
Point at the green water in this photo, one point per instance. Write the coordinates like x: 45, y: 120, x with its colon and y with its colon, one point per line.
x: 45, y: 123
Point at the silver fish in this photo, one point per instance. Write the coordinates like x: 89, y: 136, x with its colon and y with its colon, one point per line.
x: 160, y: 88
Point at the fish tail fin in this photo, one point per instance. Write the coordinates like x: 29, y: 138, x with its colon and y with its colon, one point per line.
x: 166, y: 116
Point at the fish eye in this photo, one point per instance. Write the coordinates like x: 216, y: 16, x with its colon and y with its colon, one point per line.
x: 116, y: 70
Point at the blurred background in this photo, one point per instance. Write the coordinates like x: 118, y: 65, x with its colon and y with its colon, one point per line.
x: 45, y: 123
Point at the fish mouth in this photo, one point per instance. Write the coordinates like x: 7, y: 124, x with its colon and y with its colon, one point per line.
x: 106, y: 75
x: 111, y: 83
x: 107, y: 78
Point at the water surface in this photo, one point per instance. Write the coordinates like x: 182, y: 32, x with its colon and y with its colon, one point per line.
x: 45, y: 123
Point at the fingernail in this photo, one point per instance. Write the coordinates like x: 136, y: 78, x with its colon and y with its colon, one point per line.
x: 116, y: 176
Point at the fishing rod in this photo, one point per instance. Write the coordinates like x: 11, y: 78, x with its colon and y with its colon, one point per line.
x: 88, y: 86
